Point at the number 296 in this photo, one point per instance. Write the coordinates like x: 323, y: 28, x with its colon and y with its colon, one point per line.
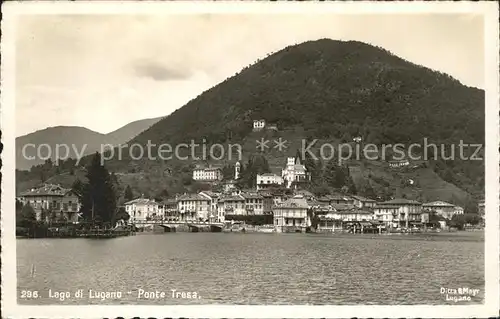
x: 28, y: 294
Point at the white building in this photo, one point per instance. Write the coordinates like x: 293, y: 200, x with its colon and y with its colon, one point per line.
x: 237, y: 170
x: 54, y: 198
x: 399, y: 213
x: 213, y: 198
x: 294, y: 172
x: 268, y: 179
x: 193, y: 207
x: 209, y: 174
x: 259, y: 125
x: 398, y: 163
x: 142, y: 209
x: 231, y: 205
x: 291, y: 215
x: 443, y: 209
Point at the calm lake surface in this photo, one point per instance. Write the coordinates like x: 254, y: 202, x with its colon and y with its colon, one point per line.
x: 254, y: 268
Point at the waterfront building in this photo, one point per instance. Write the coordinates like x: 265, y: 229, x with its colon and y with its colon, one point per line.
x: 207, y: 174
x: 231, y: 205
x: 363, y: 202
x: 268, y: 202
x: 294, y: 173
x: 142, y: 209
x: 334, y: 220
x: 291, y: 215
x: 254, y: 203
x: 443, y: 209
x: 267, y: 180
x: 168, y: 209
x: 52, y: 199
x: 213, y: 197
x: 399, y: 212
x: 193, y: 207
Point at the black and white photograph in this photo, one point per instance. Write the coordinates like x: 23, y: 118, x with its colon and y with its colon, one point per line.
x: 227, y: 156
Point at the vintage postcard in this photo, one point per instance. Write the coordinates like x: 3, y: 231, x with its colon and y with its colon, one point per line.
x: 250, y: 159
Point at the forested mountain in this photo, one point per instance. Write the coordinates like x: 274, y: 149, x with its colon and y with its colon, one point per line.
x: 334, y: 90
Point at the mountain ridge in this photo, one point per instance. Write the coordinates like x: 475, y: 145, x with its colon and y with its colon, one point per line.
x: 78, y: 136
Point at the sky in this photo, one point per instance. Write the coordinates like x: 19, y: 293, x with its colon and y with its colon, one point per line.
x: 104, y: 71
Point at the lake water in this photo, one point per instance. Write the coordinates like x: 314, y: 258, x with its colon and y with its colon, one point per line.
x: 249, y: 268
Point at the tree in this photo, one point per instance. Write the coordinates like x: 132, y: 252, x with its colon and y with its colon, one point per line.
x: 368, y: 192
x: 122, y: 214
x: 129, y: 195
x: 98, y: 196
x: 351, y: 186
x: 257, y: 164
x: 27, y: 216
x: 228, y: 172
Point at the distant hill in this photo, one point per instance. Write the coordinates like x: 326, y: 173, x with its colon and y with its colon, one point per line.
x: 74, y: 135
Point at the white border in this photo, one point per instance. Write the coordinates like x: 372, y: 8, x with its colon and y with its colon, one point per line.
x: 489, y: 10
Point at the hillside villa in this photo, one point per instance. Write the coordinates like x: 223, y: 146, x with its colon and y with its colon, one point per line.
x: 294, y: 173
x: 398, y: 163
x: 258, y: 125
x: 52, y: 199
x: 267, y: 180
x: 207, y: 174
x: 443, y: 209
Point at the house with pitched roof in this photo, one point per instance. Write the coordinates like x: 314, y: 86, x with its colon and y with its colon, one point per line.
x: 291, y: 215
x: 363, y: 202
x: 230, y: 205
x: 142, y: 209
x: 267, y: 180
x: 443, y: 209
x: 53, y: 199
x: 193, y: 207
x: 400, y: 213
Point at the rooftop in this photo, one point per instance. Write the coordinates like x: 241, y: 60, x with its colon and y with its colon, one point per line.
x: 294, y: 202
x: 439, y: 203
x: 141, y: 201
x: 363, y: 199
x: 399, y: 201
x: 192, y: 197
x: 47, y: 190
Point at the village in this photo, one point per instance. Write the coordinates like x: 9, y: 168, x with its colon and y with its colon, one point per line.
x: 278, y: 203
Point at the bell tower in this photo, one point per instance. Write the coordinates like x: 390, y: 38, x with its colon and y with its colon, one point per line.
x: 237, y: 170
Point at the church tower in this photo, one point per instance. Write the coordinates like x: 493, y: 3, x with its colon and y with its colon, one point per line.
x: 237, y: 170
